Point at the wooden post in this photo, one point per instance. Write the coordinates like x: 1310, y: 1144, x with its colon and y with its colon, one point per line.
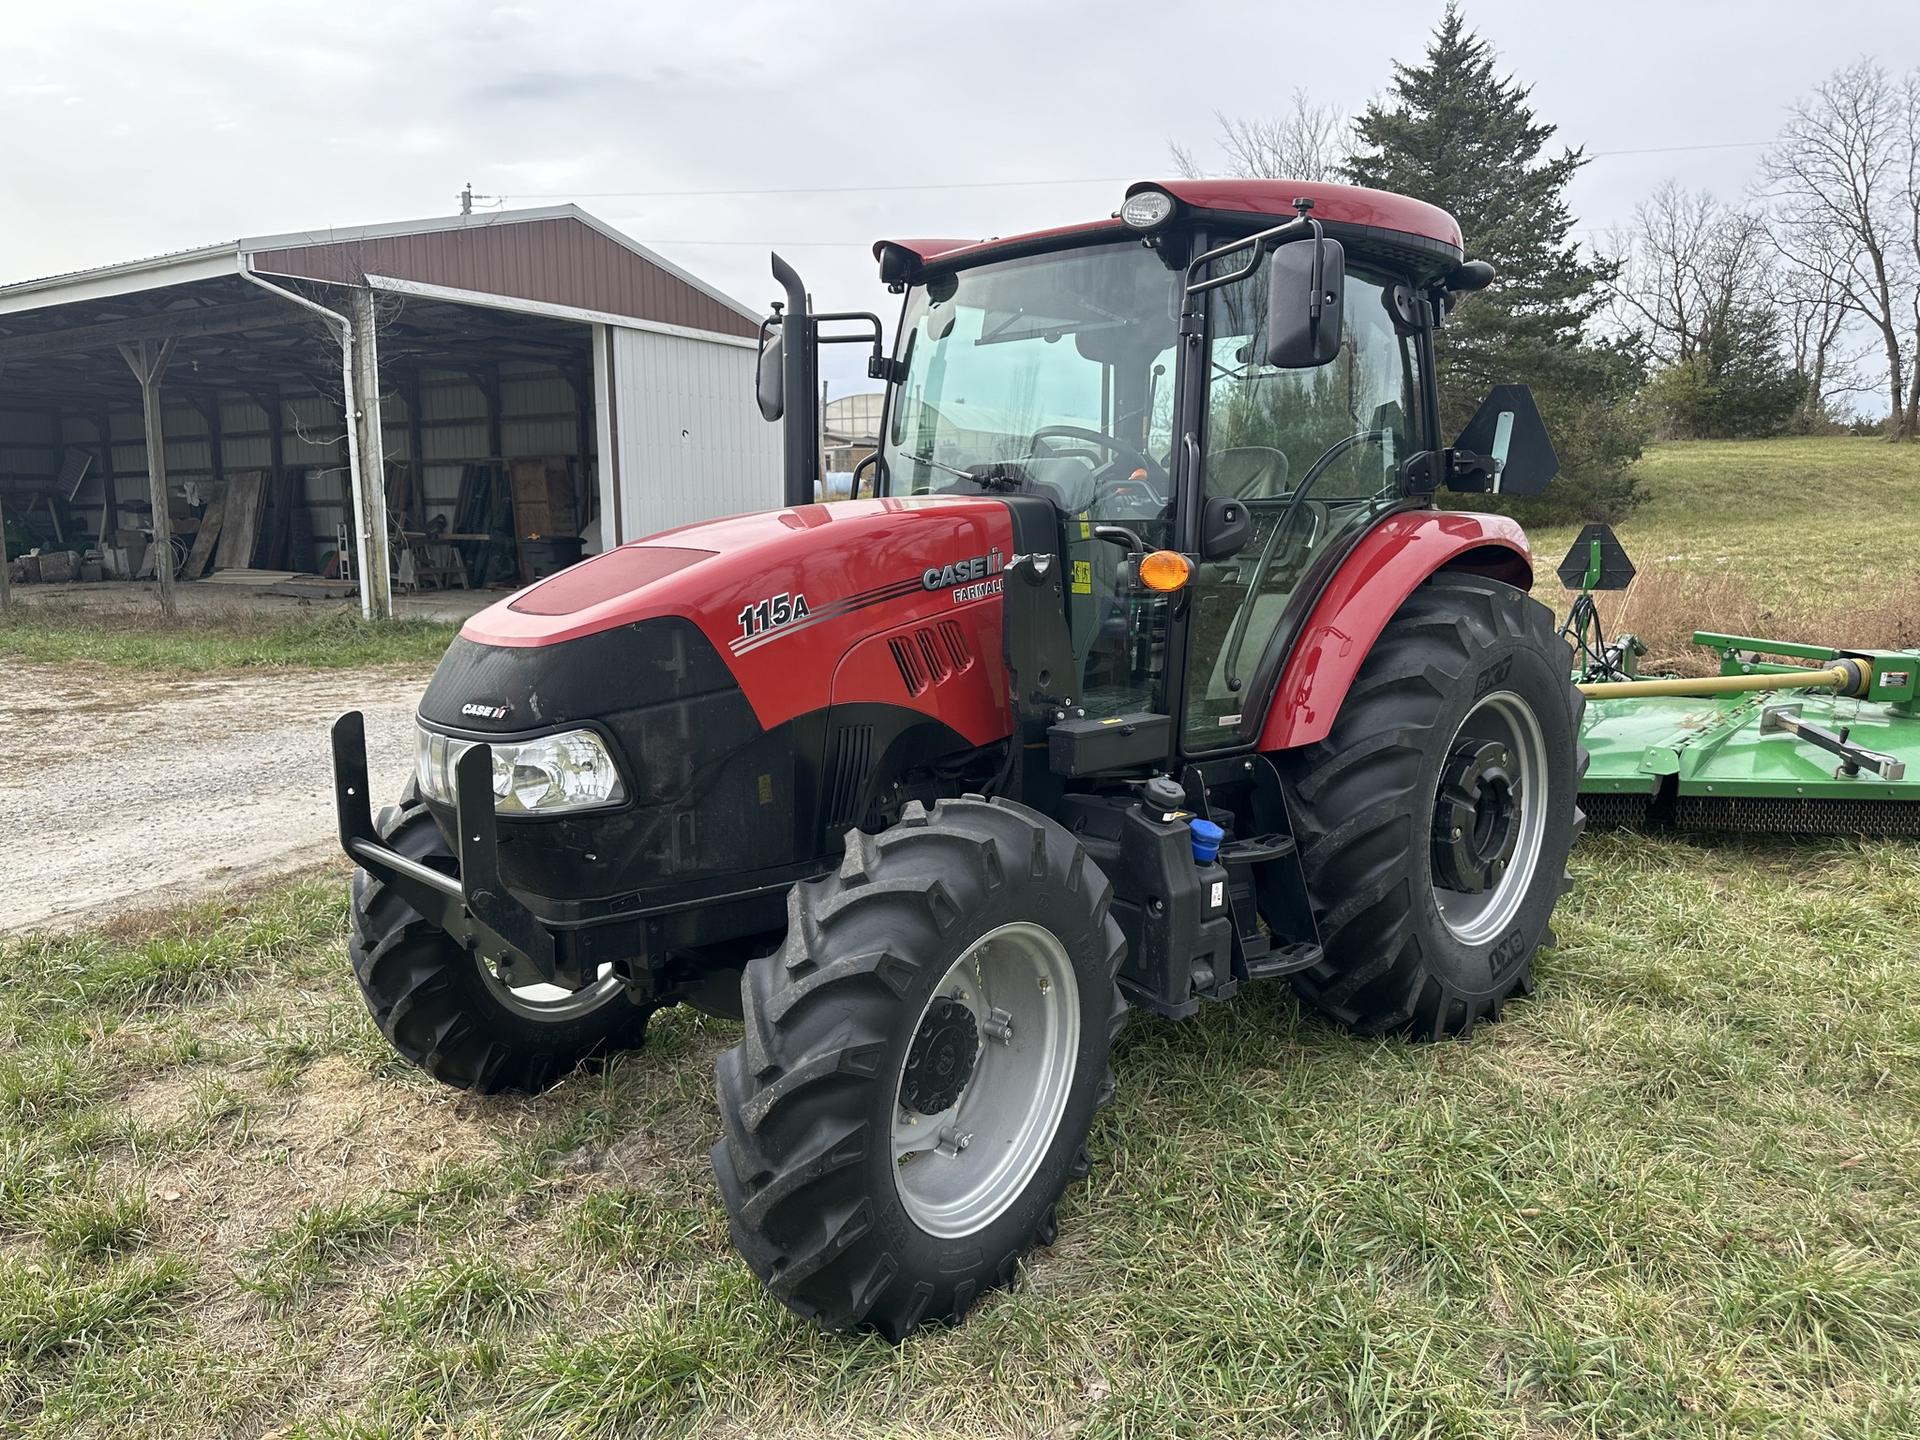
x: 369, y: 497
x: 6, y: 571
x: 109, y: 492
x: 148, y: 361
x: 491, y: 384
x: 209, y: 408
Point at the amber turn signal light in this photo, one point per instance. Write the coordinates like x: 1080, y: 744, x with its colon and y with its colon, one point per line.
x: 1164, y: 570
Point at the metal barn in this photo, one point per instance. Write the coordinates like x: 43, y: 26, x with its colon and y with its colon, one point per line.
x: 441, y: 402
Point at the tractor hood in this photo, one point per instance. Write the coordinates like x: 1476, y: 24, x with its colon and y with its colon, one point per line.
x: 784, y: 595
x: 762, y: 682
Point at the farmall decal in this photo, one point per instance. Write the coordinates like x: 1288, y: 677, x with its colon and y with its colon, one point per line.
x: 972, y: 579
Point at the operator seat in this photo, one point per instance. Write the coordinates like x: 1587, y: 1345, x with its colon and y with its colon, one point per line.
x: 1248, y: 472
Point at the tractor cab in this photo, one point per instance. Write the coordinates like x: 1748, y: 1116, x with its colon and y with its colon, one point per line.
x: 1233, y: 377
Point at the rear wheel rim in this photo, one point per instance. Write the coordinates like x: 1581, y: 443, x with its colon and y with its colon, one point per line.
x: 957, y: 1170
x: 1478, y: 917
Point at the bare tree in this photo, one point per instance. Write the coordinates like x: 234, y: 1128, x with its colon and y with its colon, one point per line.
x: 1308, y: 142
x: 1910, y: 144
x: 1816, y: 319
x: 1842, y: 181
x: 1685, y: 265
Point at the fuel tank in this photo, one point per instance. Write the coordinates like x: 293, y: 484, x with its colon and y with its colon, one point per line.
x: 761, y: 679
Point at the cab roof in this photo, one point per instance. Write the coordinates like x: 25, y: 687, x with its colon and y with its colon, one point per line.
x: 1417, y: 231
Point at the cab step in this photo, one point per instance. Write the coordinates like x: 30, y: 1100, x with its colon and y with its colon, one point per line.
x: 1268, y: 867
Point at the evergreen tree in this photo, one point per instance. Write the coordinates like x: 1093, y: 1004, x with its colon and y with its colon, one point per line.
x: 1739, y: 383
x: 1454, y: 132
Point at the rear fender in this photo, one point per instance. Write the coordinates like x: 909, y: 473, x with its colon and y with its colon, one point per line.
x: 1397, y: 556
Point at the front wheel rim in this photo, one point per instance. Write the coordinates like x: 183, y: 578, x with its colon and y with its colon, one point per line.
x: 1478, y: 917
x: 548, y: 1003
x: 958, y: 1169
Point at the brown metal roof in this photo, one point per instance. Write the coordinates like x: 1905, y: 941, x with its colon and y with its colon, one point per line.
x: 556, y: 259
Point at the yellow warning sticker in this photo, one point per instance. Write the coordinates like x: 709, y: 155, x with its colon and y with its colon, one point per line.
x: 766, y: 789
x: 1083, y: 577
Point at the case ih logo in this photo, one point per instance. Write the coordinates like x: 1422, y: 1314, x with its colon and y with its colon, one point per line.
x: 475, y: 710
x: 968, y: 579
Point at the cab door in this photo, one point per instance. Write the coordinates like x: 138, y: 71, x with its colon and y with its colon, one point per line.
x: 1315, y: 455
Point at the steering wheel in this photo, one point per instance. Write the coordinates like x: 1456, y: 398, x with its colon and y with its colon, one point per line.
x: 1157, y: 477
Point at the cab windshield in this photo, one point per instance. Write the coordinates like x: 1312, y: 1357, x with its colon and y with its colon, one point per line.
x: 1056, y: 373
x: 1057, y: 368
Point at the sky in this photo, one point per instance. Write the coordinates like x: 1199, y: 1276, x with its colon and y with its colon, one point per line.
x: 130, y: 129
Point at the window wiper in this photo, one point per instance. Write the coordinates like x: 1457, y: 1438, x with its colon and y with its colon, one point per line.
x: 942, y: 465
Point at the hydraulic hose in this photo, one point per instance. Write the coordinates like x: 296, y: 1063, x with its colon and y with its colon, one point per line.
x: 1849, y: 677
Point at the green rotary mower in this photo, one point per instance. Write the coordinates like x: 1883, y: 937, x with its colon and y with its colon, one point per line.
x: 1789, y: 738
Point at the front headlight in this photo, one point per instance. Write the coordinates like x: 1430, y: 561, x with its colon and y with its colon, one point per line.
x: 549, y: 775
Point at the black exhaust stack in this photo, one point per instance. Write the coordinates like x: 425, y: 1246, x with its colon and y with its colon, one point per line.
x: 800, y: 389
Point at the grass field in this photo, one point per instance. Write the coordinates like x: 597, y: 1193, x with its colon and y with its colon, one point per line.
x: 1801, y: 539
x: 50, y: 632
x: 1676, y: 1193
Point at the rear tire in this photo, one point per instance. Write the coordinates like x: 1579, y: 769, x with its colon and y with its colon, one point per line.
x: 441, y: 1010
x: 1464, y: 658
x: 881, y: 961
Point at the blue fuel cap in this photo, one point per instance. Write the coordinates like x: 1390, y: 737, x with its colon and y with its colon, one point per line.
x: 1206, y: 840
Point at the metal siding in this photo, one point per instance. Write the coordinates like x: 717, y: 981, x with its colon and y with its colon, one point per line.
x: 461, y: 401
x: 253, y: 452
x: 315, y: 432
x: 558, y: 261
x: 608, y: 463
x: 29, y: 454
x: 239, y: 412
x: 26, y: 427
x: 692, y: 443
x: 27, y: 462
x: 539, y: 437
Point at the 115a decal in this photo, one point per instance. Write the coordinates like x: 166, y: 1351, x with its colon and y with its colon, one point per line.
x: 771, y: 613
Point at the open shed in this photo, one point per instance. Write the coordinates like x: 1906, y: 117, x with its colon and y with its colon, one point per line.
x: 458, y: 401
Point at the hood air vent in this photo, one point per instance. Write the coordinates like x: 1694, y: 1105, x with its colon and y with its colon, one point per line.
x: 931, y: 655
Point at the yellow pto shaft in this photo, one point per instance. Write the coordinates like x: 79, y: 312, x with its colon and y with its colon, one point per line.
x: 1849, y: 677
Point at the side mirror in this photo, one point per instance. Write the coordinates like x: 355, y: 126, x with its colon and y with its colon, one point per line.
x: 1505, y: 449
x: 1226, y: 524
x: 1306, y: 285
x: 769, y: 378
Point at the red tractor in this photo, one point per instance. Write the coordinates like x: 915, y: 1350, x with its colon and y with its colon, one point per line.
x: 1148, y: 671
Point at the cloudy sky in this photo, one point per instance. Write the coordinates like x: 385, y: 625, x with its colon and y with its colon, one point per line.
x: 127, y: 129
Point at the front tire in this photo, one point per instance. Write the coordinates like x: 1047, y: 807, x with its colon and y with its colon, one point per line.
x: 916, y: 1083
x: 1434, y: 820
x: 449, y: 1013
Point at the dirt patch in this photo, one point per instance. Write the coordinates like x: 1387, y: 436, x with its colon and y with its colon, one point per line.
x: 146, y: 789
x: 340, y: 1133
x: 164, y: 1102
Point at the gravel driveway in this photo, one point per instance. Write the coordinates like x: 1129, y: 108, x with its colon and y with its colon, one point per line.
x: 123, y: 790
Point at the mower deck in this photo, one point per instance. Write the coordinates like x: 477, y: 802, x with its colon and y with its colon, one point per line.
x: 1704, y: 762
